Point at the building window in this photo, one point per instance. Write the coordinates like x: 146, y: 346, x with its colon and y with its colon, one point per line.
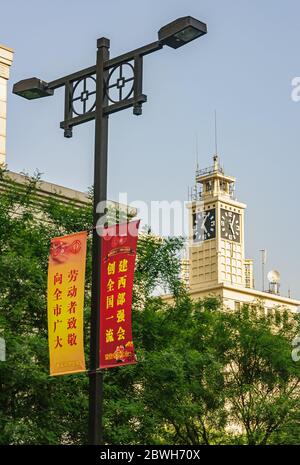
x: 237, y: 305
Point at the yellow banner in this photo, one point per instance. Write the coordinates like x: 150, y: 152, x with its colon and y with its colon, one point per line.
x: 66, y: 276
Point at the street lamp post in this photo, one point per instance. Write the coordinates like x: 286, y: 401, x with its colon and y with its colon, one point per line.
x: 113, y: 85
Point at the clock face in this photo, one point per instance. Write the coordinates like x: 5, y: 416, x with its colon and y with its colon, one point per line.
x: 204, y: 225
x: 230, y: 225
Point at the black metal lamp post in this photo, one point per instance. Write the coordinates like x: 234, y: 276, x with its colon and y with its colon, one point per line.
x: 112, y: 85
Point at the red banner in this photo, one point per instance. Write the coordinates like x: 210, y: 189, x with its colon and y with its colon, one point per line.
x: 118, y: 244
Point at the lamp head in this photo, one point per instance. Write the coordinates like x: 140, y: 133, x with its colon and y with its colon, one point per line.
x: 32, y: 88
x: 181, y: 31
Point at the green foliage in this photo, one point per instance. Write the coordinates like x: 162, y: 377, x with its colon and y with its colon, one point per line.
x: 205, y: 376
x: 261, y: 381
x: 35, y: 408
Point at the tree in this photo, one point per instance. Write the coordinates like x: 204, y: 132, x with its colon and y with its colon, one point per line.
x: 207, y: 376
x: 36, y: 408
x: 204, y: 375
x: 261, y: 381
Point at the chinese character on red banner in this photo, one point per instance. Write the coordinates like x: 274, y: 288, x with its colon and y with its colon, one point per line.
x: 118, y: 247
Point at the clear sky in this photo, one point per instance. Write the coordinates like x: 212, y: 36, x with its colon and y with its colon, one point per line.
x: 243, y: 68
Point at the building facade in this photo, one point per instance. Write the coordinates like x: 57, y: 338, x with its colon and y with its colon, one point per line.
x: 217, y: 262
x: 6, y: 58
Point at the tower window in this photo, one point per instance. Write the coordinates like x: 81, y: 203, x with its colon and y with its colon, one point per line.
x: 224, y: 186
x: 208, y: 186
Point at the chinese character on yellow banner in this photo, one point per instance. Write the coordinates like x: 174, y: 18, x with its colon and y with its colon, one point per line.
x: 66, y: 276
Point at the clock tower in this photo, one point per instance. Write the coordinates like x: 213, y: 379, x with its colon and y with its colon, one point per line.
x: 217, y: 266
x: 216, y: 239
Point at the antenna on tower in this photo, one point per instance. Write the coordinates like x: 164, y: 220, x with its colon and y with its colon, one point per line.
x: 263, y: 262
x: 194, y: 189
x: 197, y: 153
x: 216, y: 134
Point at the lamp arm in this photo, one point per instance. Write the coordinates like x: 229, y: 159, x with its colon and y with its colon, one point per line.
x: 142, y: 51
